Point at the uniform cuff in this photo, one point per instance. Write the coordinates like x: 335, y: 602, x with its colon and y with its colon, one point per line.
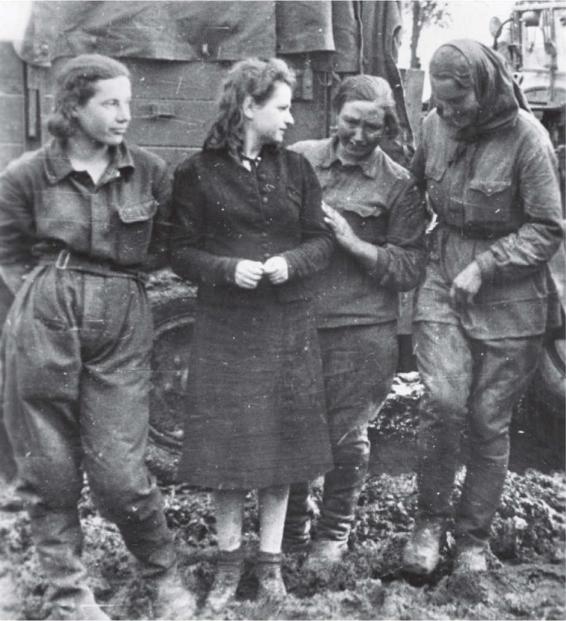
x: 486, y: 262
x: 379, y: 270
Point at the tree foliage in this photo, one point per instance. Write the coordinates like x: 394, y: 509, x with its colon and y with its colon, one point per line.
x: 424, y: 13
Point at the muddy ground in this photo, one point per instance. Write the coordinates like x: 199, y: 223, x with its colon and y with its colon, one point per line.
x: 526, y: 579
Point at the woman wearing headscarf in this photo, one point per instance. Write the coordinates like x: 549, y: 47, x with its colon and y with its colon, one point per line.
x: 482, y: 310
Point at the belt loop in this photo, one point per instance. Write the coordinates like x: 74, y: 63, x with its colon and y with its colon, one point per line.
x: 62, y: 260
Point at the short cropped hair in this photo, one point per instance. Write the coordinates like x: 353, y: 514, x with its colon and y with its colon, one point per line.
x: 250, y: 77
x: 76, y: 84
x: 369, y: 88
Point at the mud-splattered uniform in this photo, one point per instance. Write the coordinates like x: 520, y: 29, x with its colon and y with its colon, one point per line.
x: 76, y: 348
x: 357, y: 318
x: 497, y: 200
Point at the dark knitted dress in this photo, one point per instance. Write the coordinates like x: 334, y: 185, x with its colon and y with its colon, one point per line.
x: 255, y: 407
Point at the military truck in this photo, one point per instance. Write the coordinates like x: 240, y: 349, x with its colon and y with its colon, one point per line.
x: 533, y: 40
x: 178, y: 53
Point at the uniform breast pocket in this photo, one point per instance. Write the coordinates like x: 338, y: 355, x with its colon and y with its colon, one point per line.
x: 447, y: 205
x: 434, y: 174
x: 135, y: 227
x: 488, y: 202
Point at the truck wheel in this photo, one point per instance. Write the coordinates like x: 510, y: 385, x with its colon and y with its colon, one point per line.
x: 173, y: 318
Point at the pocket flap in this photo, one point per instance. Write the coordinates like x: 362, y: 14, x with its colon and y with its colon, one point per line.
x: 137, y: 212
x: 489, y: 188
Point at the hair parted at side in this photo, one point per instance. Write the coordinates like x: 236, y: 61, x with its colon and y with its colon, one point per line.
x: 253, y: 77
x: 365, y: 87
x: 76, y: 84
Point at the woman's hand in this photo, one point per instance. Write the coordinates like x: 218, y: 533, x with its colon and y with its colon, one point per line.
x: 248, y: 273
x: 277, y: 270
x: 343, y: 232
x: 466, y: 285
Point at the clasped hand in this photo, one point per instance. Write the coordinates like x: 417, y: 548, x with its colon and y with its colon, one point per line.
x: 249, y: 273
x: 466, y: 285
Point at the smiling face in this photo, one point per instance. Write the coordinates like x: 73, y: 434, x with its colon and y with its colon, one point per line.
x: 267, y: 122
x: 458, y: 107
x: 105, y: 117
x: 360, y: 127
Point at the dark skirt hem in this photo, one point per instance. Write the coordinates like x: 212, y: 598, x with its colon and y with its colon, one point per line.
x: 258, y: 480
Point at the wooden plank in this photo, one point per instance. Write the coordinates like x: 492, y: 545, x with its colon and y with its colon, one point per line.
x: 11, y: 70
x: 187, y: 128
x: 174, y: 80
x: 172, y: 156
x: 12, y: 126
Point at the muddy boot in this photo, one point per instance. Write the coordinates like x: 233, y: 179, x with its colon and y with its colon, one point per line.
x: 9, y: 498
x: 470, y: 557
x: 300, y: 511
x: 58, y: 540
x: 324, y: 554
x: 271, y: 588
x: 226, y: 580
x: 172, y: 600
x: 82, y: 607
x: 422, y: 551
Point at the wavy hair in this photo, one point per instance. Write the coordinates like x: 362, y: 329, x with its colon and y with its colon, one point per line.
x: 369, y: 88
x: 76, y: 84
x: 253, y: 77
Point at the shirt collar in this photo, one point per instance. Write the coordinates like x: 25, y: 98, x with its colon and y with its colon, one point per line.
x: 369, y: 165
x: 58, y: 165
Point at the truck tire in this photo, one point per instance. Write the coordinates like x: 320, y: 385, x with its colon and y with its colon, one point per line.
x: 173, y: 318
x: 547, y: 395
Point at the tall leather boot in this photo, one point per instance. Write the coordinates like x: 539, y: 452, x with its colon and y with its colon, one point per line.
x: 58, y: 540
x: 296, y: 535
x: 342, y: 487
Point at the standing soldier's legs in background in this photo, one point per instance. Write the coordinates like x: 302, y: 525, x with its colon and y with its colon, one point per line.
x: 359, y: 363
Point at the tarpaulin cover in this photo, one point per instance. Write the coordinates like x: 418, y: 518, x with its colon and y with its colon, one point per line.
x: 345, y: 36
x: 224, y: 31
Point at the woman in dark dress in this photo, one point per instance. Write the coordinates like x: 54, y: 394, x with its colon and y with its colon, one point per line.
x: 249, y: 229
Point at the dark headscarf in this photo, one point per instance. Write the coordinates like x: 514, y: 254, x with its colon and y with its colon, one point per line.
x: 474, y: 65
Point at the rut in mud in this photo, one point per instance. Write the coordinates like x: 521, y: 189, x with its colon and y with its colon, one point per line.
x: 526, y: 578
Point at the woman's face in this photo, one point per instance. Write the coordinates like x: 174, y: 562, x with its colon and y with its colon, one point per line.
x: 269, y: 121
x: 456, y: 106
x: 360, y: 127
x: 105, y: 117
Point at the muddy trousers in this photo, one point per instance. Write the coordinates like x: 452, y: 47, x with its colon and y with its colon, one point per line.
x: 359, y: 363
x: 76, y: 375
x: 470, y: 385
